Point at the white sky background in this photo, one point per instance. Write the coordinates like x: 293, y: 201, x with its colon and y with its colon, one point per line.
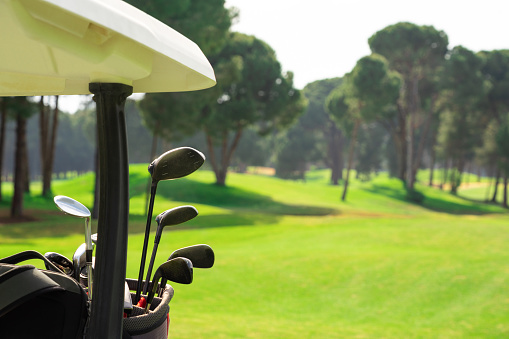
x: 322, y: 39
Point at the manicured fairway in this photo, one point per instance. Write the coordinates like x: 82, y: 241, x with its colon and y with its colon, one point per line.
x: 292, y: 261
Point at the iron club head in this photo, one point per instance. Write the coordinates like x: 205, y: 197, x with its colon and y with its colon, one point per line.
x: 201, y: 255
x: 179, y: 270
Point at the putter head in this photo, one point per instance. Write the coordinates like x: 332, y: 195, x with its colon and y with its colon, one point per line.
x: 202, y: 255
x: 71, y: 206
x: 60, y: 261
x: 176, y: 163
x: 176, y: 215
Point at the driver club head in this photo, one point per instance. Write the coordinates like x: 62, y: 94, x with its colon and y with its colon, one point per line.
x: 176, y: 163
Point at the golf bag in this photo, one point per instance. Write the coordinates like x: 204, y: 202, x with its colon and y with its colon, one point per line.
x: 37, y: 303
x: 152, y: 325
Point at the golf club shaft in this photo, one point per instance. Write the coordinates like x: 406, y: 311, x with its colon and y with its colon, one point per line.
x: 89, y: 251
x: 153, y: 189
x: 150, y: 266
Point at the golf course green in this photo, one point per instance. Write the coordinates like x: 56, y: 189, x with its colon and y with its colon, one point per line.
x: 293, y: 261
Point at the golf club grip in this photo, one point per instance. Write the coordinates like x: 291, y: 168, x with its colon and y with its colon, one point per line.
x: 153, y: 189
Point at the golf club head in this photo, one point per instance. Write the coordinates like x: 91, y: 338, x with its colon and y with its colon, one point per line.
x: 202, y: 255
x: 79, y: 260
x: 176, y: 215
x: 71, y: 206
x: 169, y: 217
x: 60, y: 261
x: 179, y: 270
x: 176, y: 163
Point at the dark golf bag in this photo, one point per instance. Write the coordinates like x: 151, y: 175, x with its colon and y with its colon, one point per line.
x: 152, y: 325
x: 37, y: 303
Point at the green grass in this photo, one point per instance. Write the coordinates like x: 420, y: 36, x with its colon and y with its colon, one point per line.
x: 292, y: 261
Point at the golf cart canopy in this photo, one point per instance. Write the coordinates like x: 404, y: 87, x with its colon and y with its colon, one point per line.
x: 59, y: 47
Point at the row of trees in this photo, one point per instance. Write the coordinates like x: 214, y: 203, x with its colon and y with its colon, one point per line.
x: 419, y: 100
x: 411, y: 99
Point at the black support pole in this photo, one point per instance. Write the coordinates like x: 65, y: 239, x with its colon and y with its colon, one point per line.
x: 110, y: 269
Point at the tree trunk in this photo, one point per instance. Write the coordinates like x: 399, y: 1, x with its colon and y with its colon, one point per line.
x: 49, y: 152
x: 456, y: 176
x: 433, y: 156
x: 431, y: 169
x: 19, y: 168
x: 422, y: 141
x: 497, y: 178
x: 410, y: 134
x: 504, y: 203
x: 350, y: 158
x: 401, y: 145
x: 43, y: 138
x: 336, y: 154
x: 3, y: 118
x: 444, y: 174
x: 221, y: 169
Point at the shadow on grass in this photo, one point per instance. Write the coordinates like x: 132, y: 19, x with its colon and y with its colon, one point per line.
x: 213, y: 221
x: 226, y: 197
x: 39, y: 224
x: 437, y: 204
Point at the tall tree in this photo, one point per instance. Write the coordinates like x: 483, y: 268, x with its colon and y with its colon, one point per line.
x: 21, y: 109
x: 203, y: 21
x: 416, y: 52
x: 368, y: 93
x: 502, y: 143
x: 207, y: 23
x: 311, y: 139
x: 318, y: 121
x: 496, y: 72
x: 463, y: 90
x: 252, y: 91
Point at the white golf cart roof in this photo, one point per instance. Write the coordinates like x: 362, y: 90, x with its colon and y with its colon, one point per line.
x: 58, y: 47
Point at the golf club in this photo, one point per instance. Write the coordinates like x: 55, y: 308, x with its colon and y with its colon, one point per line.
x: 79, y: 260
x: 171, y: 217
x: 202, y: 256
x: 60, y: 261
x: 77, y: 209
x: 174, y: 164
x: 179, y: 270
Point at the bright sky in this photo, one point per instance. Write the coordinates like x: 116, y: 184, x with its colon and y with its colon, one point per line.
x: 322, y: 39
